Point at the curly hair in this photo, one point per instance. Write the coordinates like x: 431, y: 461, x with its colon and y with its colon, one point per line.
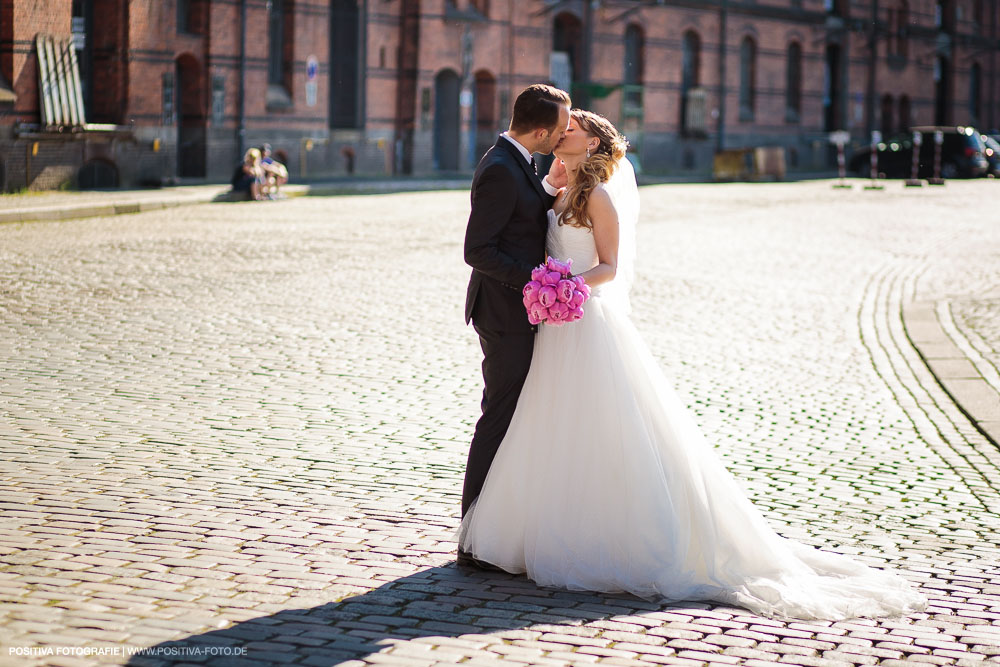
x: 595, y: 169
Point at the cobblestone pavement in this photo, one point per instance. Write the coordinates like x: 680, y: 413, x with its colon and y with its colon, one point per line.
x: 236, y: 435
x: 978, y: 320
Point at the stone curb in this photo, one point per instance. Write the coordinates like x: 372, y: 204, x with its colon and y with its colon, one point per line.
x: 958, y: 375
x: 119, y: 203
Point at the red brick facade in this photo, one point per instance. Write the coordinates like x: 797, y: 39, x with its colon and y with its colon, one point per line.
x: 423, y: 86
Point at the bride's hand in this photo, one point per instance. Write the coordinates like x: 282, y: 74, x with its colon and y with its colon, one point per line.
x: 557, y: 174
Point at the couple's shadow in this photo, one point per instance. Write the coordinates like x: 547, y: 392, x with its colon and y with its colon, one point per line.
x: 444, y: 601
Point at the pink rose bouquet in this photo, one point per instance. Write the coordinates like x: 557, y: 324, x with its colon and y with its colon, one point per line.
x: 552, y: 297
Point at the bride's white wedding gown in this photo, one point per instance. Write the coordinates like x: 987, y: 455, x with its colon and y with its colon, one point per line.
x: 604, y: 482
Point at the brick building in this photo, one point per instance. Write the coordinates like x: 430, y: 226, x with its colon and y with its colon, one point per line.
x: 178, y: 88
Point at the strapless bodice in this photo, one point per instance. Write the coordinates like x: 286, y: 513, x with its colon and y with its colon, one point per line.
x: 568, y: 242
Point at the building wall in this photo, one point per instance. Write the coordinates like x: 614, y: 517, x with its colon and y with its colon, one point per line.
x: 138, y: 53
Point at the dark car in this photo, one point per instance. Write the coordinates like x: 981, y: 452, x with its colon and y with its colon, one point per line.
x: 963, y: 154
x: 992, y: 154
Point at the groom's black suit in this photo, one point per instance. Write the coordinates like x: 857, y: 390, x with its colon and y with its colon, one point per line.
x: 504, y: 241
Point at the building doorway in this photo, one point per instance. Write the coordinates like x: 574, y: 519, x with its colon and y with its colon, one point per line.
x: 447, y: 120
x: 191, y: 117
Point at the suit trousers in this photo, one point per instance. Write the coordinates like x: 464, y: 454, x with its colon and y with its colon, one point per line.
x: 506, y: 359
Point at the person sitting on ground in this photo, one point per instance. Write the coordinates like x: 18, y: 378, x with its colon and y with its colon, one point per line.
x: 275, y: 173
x: 249, y: 176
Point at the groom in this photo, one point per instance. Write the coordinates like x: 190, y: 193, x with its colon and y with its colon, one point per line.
x: 504, y: 241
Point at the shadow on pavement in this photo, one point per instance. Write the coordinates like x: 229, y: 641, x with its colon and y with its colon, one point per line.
x: 438, y: 602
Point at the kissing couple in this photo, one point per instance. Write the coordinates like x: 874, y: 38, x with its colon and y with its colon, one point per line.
x: 586, y: 471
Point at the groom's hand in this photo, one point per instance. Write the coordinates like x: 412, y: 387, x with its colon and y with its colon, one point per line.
x: 557, y: 174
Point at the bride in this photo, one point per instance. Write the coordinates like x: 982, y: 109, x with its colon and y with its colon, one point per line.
x: 603, y: 481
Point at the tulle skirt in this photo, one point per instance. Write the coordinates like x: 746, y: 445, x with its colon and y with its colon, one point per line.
x: 604, y: 482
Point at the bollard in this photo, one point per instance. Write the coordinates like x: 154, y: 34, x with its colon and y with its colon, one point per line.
x: 840, y: 138
x: 938, y: 141
x: 876, y: 140
x: 914, y: 180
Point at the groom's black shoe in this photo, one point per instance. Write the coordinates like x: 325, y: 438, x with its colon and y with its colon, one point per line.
x: 465, y: 559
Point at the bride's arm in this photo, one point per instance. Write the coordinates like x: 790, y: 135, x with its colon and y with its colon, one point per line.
x: 604, y: 218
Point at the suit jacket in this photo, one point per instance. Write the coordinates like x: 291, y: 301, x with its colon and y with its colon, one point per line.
x: 505, y: 238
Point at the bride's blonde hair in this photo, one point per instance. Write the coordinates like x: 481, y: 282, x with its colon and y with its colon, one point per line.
x: 595, y: 169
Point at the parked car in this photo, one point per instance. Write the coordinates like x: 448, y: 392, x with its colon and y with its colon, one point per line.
x: 992, y: 153
x: 963, y: 154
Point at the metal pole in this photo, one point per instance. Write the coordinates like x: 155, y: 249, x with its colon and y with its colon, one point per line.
x: 876, y: 140
x: 938, y: 141
x: 720, y: 124
x: 914, y: 180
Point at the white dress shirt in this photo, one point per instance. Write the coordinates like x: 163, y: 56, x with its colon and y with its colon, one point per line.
x: 527, y: 158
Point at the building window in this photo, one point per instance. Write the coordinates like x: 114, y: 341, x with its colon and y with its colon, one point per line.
x: 944, y: 15
x: 975, y: 94
x: 481, y: 6
x: 280, y: 49
x: 276, y: 42
x: 748, y: 78
x: 169, y: 109
x: 904, y: 113
x: 886, y: 124
x: 793, y: 84
x: 979, y: 16
x: 344, y: 58
x: 835, y: 7
x: 899, y: 18
x: 690, y: 79
x: 218, y: 98
x: 634, y: 70
x: 183, y: 11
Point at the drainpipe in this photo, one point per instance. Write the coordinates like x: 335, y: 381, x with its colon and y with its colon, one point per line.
x: 241, y: 129
x: 720, y: 124
x: 872, y: 69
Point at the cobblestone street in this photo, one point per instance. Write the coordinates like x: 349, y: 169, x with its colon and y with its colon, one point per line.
x: 236, y: 433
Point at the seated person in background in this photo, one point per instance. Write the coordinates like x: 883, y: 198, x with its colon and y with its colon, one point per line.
x: 275, y: 174
x: 249, y: 176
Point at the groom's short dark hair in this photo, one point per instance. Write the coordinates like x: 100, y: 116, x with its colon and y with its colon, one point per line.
x: 538, y: 107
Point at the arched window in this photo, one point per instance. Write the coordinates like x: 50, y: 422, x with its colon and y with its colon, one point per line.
x: 748, y: 78
x: 690, y: 75
x: 793, y: 84
x: 635, y: 65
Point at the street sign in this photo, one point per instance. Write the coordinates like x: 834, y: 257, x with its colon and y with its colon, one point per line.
x: 310, y: 93
x: 312, y: 68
